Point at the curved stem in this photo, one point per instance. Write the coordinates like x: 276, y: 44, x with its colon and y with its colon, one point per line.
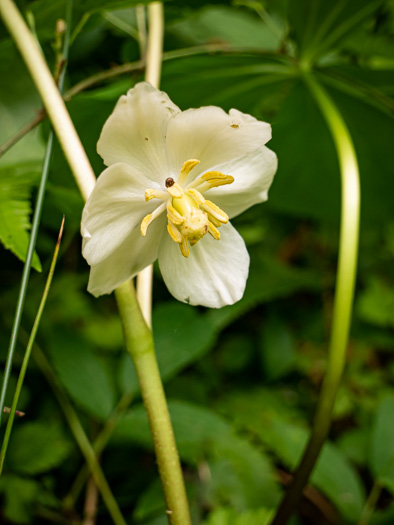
x: 139, y: 342
x: 53, y: 102
x: 344, y: 294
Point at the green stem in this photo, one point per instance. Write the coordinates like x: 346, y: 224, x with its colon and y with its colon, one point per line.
x: 371, y: 503
x: 80, y: 437
x: 99, y: 445
x: 53, y: 102
x: 344, y: 294
x: 139, y: 342
x: 29, y: 347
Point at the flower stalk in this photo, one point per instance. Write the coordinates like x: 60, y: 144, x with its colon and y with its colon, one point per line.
x: 344, y: 294
x: 139, y: 342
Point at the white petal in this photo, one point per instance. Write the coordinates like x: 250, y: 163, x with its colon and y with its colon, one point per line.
x: 115, y: 207
x: 134, y: 254
x: 253, y: 175
x: 135, y: 131
x: 213, y: 137
x: 214, y: 274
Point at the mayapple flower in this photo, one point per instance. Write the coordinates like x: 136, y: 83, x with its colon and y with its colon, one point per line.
x: 173, y: 181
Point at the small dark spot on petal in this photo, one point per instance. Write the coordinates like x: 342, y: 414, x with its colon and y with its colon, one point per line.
x: 169, y: 182
x: 146, y: 138
x: 235, y: 126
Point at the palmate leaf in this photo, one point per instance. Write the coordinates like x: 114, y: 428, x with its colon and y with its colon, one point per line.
x: 15, y: 188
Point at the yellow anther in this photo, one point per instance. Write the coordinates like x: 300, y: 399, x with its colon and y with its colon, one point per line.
x: 213, y: 231
x: 214, y: 221
x: 189, y: 165
x: 184, y: 247
x: 214, y: 179
x: 196, y: 195
x: 145, y: 223
x: 155, y: 194
x: 173, y: 215
x: 175, y: 234
x: 175, y: 191
x: 215, y: 211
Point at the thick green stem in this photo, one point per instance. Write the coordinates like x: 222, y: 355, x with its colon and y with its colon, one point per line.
x: 344, y: 294
x: 139, y: 342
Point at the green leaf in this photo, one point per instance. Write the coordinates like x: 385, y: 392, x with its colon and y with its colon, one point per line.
x: 15, y: 187
x: 36, y: 447
x: 333, y: 474
x: 213, y: 437
x: 277, y: 349
x: 19, y: 496
x: 83, y: 374
x: 376, y: 303
x: 226, y: 516
x: 382, y: 445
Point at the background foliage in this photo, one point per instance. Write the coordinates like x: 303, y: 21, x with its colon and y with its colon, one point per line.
x: 242, y: 381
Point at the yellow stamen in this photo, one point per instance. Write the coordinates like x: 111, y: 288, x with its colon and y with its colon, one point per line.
x: 175, y: 234
x: 212, y: 179
x: 196, y: 196
x: 175, y: 191
x: 184, y: 247
x: 186, y: 169
x: 215, y: 211
x: 213, y: 231
x: 214, y: 221
x: 151, y: 217
x: 173, y: 215
x: 155, y: 194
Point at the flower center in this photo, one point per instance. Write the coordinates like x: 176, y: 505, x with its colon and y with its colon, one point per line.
x: 190, y: 216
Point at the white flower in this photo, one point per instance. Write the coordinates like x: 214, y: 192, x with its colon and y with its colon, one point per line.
x: 174, y: 179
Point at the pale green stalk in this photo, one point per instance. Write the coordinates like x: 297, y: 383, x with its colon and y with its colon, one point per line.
x: 53, y: 102
x: 29, y: 347
x: 139, y: 342
x: 154, y: 56
x: 344, y: 294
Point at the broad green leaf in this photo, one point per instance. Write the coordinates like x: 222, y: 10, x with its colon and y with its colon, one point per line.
x: 277, y: 349
x: 227, y: 25
x: 15, y: 188
x: 382, y: 445
x: 36, y: 447
x: 226, y: 516
x: 83, y: 374
x: 201, y: 434
x: 376, y: 303
x: 19, y: 495
x: 333, y: 474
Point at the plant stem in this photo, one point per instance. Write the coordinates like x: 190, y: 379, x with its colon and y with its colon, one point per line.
x: 371, y: 503
x: 29, y: 347
x: 80, y: 437
x: 154, y: 56
x: 344, y: 294
x: 139, y: 342
x: 50, y: 95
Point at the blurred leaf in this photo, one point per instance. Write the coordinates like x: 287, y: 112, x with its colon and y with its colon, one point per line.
x: 277, y: 349
x: 19, y: 496
x: 320, y: 26
x: 382, y: 445
x: 226, y: 516
x: 83, y: 374
x: 376, y: 303
x: 15, y: 188
x: 228, y: 25
x: 333, y: 474
x: 213, y: 438
x: 37, y: 447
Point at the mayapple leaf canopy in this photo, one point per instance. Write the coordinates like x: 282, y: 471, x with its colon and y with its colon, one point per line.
x: 173, y: 180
